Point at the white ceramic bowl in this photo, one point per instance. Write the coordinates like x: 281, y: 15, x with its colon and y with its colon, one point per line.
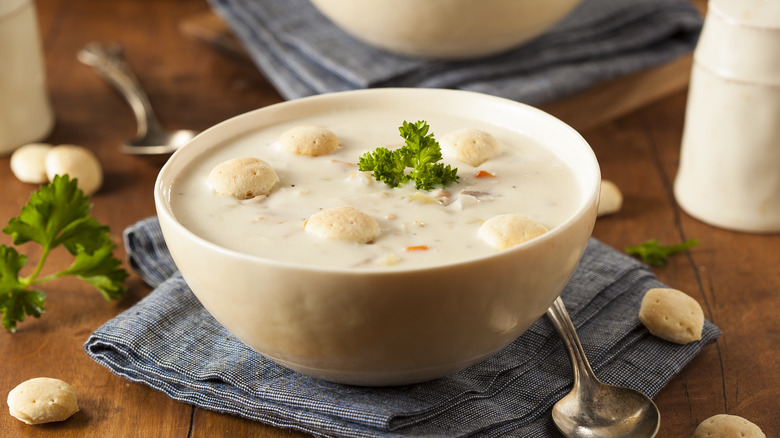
x: 445, y: 29
x: 385, y: 327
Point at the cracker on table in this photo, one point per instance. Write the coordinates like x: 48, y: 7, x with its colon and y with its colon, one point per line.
x: 727, y: 426
x: 42, y: 400
x: 672, y: 315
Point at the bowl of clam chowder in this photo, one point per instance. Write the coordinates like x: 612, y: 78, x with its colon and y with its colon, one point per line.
x: 384, y: 236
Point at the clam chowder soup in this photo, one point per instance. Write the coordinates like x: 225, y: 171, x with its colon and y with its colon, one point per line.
x: 293, y: 192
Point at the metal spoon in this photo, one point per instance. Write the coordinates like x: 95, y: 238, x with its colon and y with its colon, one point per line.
x: 151, y: 138
x: 592, y: 408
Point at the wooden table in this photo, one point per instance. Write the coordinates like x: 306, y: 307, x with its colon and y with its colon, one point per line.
x: 734, y: 276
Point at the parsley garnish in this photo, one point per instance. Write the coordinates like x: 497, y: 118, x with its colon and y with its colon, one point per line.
x: 56, y: 215
x: 421, y: 153
x: 653, y: 253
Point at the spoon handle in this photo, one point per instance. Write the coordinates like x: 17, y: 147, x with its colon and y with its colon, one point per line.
x: 109, y: 62
x: 562, y: 322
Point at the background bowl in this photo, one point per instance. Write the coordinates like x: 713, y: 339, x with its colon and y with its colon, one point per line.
x: 385, y: 327
x: 445, y: 29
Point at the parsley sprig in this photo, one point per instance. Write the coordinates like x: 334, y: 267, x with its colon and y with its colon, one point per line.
x: 421, y: 152
x: 653, y: 253
x: 56, y: 215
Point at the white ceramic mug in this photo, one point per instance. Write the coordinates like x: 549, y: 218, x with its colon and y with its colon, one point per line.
x: 729, y: 173
x: 25, y: 110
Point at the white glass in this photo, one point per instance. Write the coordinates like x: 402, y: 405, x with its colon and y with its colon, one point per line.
x: 729, y: 173
x: 25, y: 110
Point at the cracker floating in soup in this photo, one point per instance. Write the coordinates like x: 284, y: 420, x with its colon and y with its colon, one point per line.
x: 243, y: 178
x: 508, y: 230
x: 470, y: 146
x: 343, y: 223
x: 309, y: 140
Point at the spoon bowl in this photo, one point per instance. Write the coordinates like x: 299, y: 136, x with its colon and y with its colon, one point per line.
x: 592, y: 408
x: 158, y: 142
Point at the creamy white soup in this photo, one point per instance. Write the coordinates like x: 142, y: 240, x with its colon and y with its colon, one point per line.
x: 417, y: 228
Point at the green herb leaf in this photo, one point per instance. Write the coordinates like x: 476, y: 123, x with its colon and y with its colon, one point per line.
x: 653, y: 253
x: 11, y: 262
x: 15, y: 301
x: 100, y: 269
x: 427, y: 177
x: 421, y: 148
x: 56, y: 215
x: 387, y: 166
x: 18, y: 303
x: 421, y: 152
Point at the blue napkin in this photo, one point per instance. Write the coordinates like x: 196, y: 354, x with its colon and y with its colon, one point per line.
x: 169, y: 342
x: 302, y: 53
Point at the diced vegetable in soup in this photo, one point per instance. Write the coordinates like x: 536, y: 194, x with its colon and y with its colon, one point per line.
x: 326, y: 212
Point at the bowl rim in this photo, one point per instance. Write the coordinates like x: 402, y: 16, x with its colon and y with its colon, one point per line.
x: 226, y: 130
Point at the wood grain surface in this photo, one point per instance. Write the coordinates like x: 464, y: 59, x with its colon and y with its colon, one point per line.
x: 734, y: 276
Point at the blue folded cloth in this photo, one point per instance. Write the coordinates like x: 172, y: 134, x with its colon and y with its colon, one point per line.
x: 302, y: 53
x: 169, y: 342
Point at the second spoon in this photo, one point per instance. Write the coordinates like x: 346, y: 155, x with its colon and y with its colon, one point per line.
x: 592, y: 408
x: 151, y: 138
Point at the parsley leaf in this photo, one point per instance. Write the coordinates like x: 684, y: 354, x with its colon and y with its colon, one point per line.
x: 653, y: 253
x: 421, y: 152
x: 11, y: 262
x: 388, y: 166
x: 15, y: 301
x: 426, y: 178
x: 56, y: 215
x: 420, y: 148
x: 18, y: 303
x: 100, y: 269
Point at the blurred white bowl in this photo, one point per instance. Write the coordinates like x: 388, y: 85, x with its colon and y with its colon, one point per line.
x: 380, y: 326
x: 445, y: 29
